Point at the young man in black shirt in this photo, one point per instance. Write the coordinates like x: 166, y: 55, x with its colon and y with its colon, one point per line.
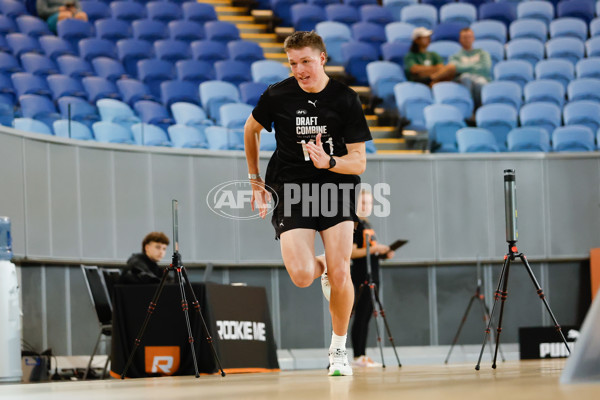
x: 142, y: 267
x: 320, y: 131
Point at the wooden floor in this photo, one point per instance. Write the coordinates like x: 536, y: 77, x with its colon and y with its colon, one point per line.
x: 512, y: 380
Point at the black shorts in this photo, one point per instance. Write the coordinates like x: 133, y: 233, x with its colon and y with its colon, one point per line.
x: 316, y: 206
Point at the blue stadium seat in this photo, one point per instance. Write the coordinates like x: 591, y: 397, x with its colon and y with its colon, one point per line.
x: 595, y: 27
x: 8, y: 63
x: 150, y: 135
x: 476, y: 140
x: 454, y: 94
x: 189, y: 114
x: 490, y: 30
x: 151, y: 31
x: 109, y: 68
x: 542, y: 10
x: 583, y: 10
x: 128, y: 11
x: 282, y: 9
x: 38, y: 107
x: 582, y: 112
x: 198, y: 12
x: 92, y: 47
x: 115, y: 111
x: 569, y: 27
x: 95, y: 10
x: 568, y: 48
x: 503, y: 12
x: 518, y: 71
x: 186, y: 31
x: 250, y: 92
x: 178, y: 91
x: 217, y: 138
x: 112, y: 29
x: 234, y: 72
x: 8, y: 97
x: 420, y: 15
x: 502, y: 92
x: 38, y: 64
x: 245, y: 51
x: 555, y: 69
x: 395, y: 51
x: 32, y: 125
x: 63, y: 85
x: 592, y: 47
x: 322, y: 3
x: 183, y: 136
x: 194, y: 71
x: 7, y: 25
x: 209, y: 50
x: 4, y: 45
x: 383, y: 77
x: 73, y: 30
x: 221, y: 31
x: 32, y: 26
x: 269, y: 143
x: 110, y: 132
x: 98, y: 88
x: 269, y: 71
x: 20, y: 43
x: 447, y: 31
x: 163, y: 11
x: 27, y: 83
x: 442, y: 122
x: 306, y: 16
x: 152, y: 72
x: 588, y: 68
x: 530, y: 139
x: 396, y: 6
x: 233, y: 117
x: 334, y: 34
x: 499, y: 119
x: 573, y: 138
x: 545, y: 90
x: 12, y: 8
x: 370, y: 33
x: 171, y: 50
x: 528, y: 28
x: 342, y: 13
x: 130, y: 51
x: 493, y: 47
x: 530, y: 50
x: 459, y: 13
x: 214, y: 94
x: 399, y: 31
x: 584, y: 89
x: 74, y: 66
x: 376, y: 14
x: 153, y: 113
x: 356, y: 57
x: 72, y: 130
x: 358, y: 3
x: 445, y: 48
x: 411, y: 100
x: 132, y: 90
x: 78, y: 109
x: 55, y: 47
x: 541, y: 114
x: 437, y: 3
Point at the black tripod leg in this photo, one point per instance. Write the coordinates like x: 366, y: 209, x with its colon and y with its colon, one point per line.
x: 462, y: 322
x: 387, y: 327
x: 196, y: 305
x: 542, y: 296
x: 503, y: 296
x: 375, y: 314
x: 487, y: 329
x: 185, y: 307
x: 486, y: 317
x: 151, y: 309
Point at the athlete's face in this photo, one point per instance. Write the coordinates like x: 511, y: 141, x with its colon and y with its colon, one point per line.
x: 308, y: 67
x: 155, y: 251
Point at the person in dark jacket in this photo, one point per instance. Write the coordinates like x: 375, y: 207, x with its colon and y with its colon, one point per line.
x: 142, y: 267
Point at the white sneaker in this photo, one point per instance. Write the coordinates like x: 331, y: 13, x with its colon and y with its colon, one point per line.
x: 365, y: 362
x: 324, y: 279
x: 338, y: 363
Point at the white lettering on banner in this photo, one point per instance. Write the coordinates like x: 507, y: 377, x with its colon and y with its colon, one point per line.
x: 162, y: 363
x: 241, y: 330
x: 553, y: 350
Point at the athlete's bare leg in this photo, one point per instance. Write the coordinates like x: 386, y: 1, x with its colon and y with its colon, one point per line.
x: 298, y: 252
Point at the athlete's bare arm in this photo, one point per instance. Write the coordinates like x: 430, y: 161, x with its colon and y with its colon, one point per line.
x: 353, y: 163
x: 252, y: 146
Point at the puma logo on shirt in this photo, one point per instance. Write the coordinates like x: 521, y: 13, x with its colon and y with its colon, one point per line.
x: 314, y: 103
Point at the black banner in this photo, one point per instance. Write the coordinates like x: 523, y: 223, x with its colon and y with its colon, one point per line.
x: 545, y: 342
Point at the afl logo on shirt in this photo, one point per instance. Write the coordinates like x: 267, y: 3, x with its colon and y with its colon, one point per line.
x: 301, y: 112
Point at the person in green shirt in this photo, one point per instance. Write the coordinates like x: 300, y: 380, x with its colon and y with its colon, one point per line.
x: 426, y: 66
x: 473, y: 66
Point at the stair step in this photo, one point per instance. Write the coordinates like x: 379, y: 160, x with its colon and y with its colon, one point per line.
x: 251, y: 28
x: 384, y: 132
x: 281, y: 57
x: 260, y: 37
x: 246, y: 19
x: 272, y: 47
x: 216, y: 3
x: 390, y: 144
x: 232, y: 11
x: 372, y: 120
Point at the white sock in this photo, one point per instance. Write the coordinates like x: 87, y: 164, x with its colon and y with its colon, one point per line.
x: 338, y: 342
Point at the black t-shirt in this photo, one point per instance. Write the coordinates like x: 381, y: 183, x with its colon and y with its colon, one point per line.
x: 362, y: 229
x: 297, y: 117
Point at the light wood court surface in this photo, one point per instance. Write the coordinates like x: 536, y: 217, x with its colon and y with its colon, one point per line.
x: 511, y: 380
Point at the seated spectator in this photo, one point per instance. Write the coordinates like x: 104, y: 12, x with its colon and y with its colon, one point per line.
x: 473, y: 66
x: 142, y: 267
x: 426, y: 66
x: 53, y: 11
